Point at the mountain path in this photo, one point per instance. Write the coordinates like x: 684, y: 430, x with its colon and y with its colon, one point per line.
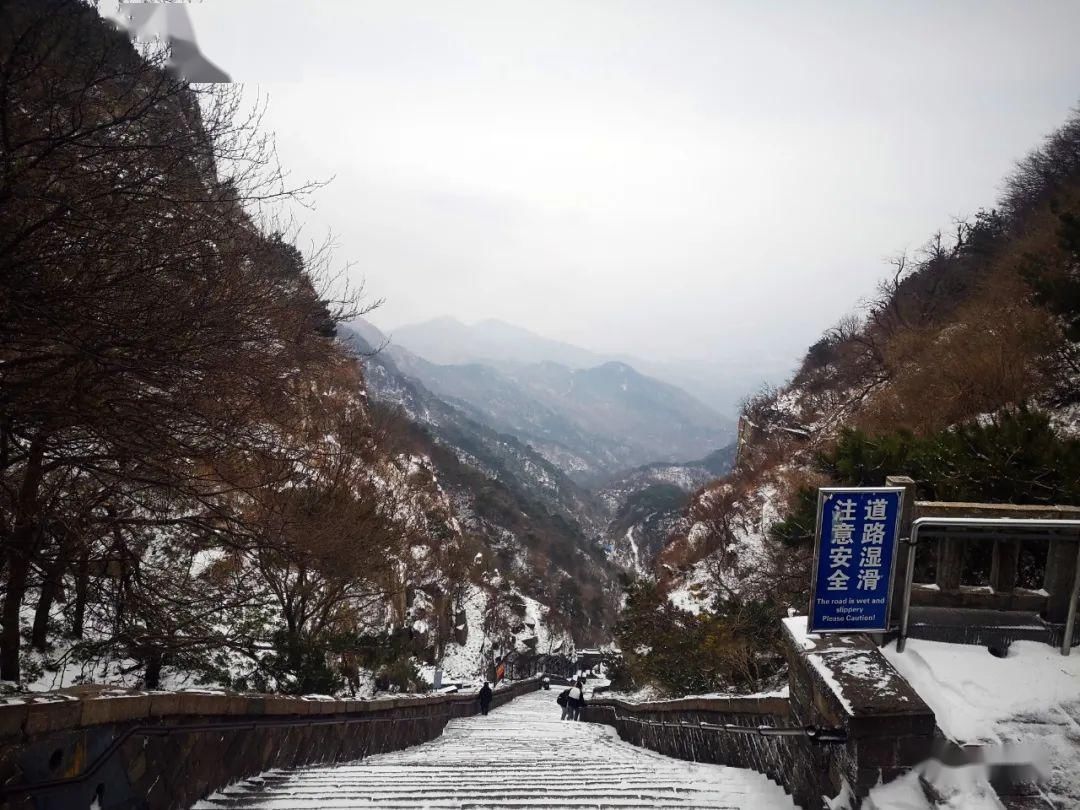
x: 519, y: 756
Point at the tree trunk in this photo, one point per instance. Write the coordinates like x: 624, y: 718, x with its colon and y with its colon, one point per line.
x: 18, y: 568
x: 119, y: 556
x: 18, y: 554
x: 50, y: 587
x: 82, y: 585
x: 153, y: 668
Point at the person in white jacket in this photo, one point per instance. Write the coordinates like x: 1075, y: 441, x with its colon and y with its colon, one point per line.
x: 576, y: 700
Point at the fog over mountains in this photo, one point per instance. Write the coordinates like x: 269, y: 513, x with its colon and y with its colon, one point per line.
x: 448, y: 341
x: 590, y: 416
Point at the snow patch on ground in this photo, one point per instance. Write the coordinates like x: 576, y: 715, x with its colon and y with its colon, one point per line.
x: 1030, y: 698
x: 971, y: 691
x: 635, y: 554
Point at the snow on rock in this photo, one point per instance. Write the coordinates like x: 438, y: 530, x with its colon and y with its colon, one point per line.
x: 466, y: 661
x: 548, y: 640
x: 693, y: 594
x: 751, y: 516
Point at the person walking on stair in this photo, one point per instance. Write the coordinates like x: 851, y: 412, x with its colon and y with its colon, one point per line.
x: 485, y: 698
x: 564, y: 701
x: 576, y: 699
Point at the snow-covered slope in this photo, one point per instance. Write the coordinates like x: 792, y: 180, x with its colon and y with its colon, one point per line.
x: 647, y: 505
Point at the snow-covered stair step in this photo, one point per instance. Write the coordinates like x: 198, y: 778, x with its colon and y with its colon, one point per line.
x: 618, y: 804
x: 336, y: 802
x: 655, y: 797
x: 312, y: 781
x: 520, y: 756
x: 631, y: 782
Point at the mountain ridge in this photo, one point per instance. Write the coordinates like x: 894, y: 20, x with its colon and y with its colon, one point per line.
x: 592, y: 422
x: 448, y: 340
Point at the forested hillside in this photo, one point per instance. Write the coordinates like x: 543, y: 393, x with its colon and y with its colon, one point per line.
x: 194, y: 485
x: 963, y: 371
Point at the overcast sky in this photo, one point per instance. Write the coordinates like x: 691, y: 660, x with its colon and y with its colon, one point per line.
x: 673, y: 179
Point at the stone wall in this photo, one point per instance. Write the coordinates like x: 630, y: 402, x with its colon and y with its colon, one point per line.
x: 844, y: 682
x: 837, y: 684
x: 166, y: 751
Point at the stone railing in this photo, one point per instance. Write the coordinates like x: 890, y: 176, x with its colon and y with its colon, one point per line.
x: 945, y: 548
x: 844, y: 682
x: 850, y: 722
x: 162, y: 751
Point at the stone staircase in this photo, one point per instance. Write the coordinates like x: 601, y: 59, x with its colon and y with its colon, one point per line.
x: 519, y: 756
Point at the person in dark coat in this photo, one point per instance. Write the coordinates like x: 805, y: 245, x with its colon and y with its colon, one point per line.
x: 564, y: 703
x: 485, y: 698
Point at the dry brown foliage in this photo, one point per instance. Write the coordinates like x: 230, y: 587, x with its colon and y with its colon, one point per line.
x: 992, y: 354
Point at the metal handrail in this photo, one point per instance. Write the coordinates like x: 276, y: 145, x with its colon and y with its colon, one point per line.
x: 814, y: 733
x: 987, y: 523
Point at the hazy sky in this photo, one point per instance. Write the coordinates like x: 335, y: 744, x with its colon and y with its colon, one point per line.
x: 674, y: 179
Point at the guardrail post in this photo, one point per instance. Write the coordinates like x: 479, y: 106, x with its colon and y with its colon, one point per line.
x: 909, y: 574
x: 950, y: 563
x: 1059, y: 579
x: 902, y: 549
x: 1005, y: 566
x: 1070, y: 618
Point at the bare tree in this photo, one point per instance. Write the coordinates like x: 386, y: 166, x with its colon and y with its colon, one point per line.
x: 147, y: 325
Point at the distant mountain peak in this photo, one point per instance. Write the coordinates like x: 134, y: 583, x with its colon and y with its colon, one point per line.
x: 500, y: 324
x: 449, y: 320
x: 446, y: 340
x: 371, y: 334
x: 619, y: 367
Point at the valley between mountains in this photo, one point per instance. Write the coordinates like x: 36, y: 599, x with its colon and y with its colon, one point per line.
x: 214, y: 472
x: 542, y: 453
